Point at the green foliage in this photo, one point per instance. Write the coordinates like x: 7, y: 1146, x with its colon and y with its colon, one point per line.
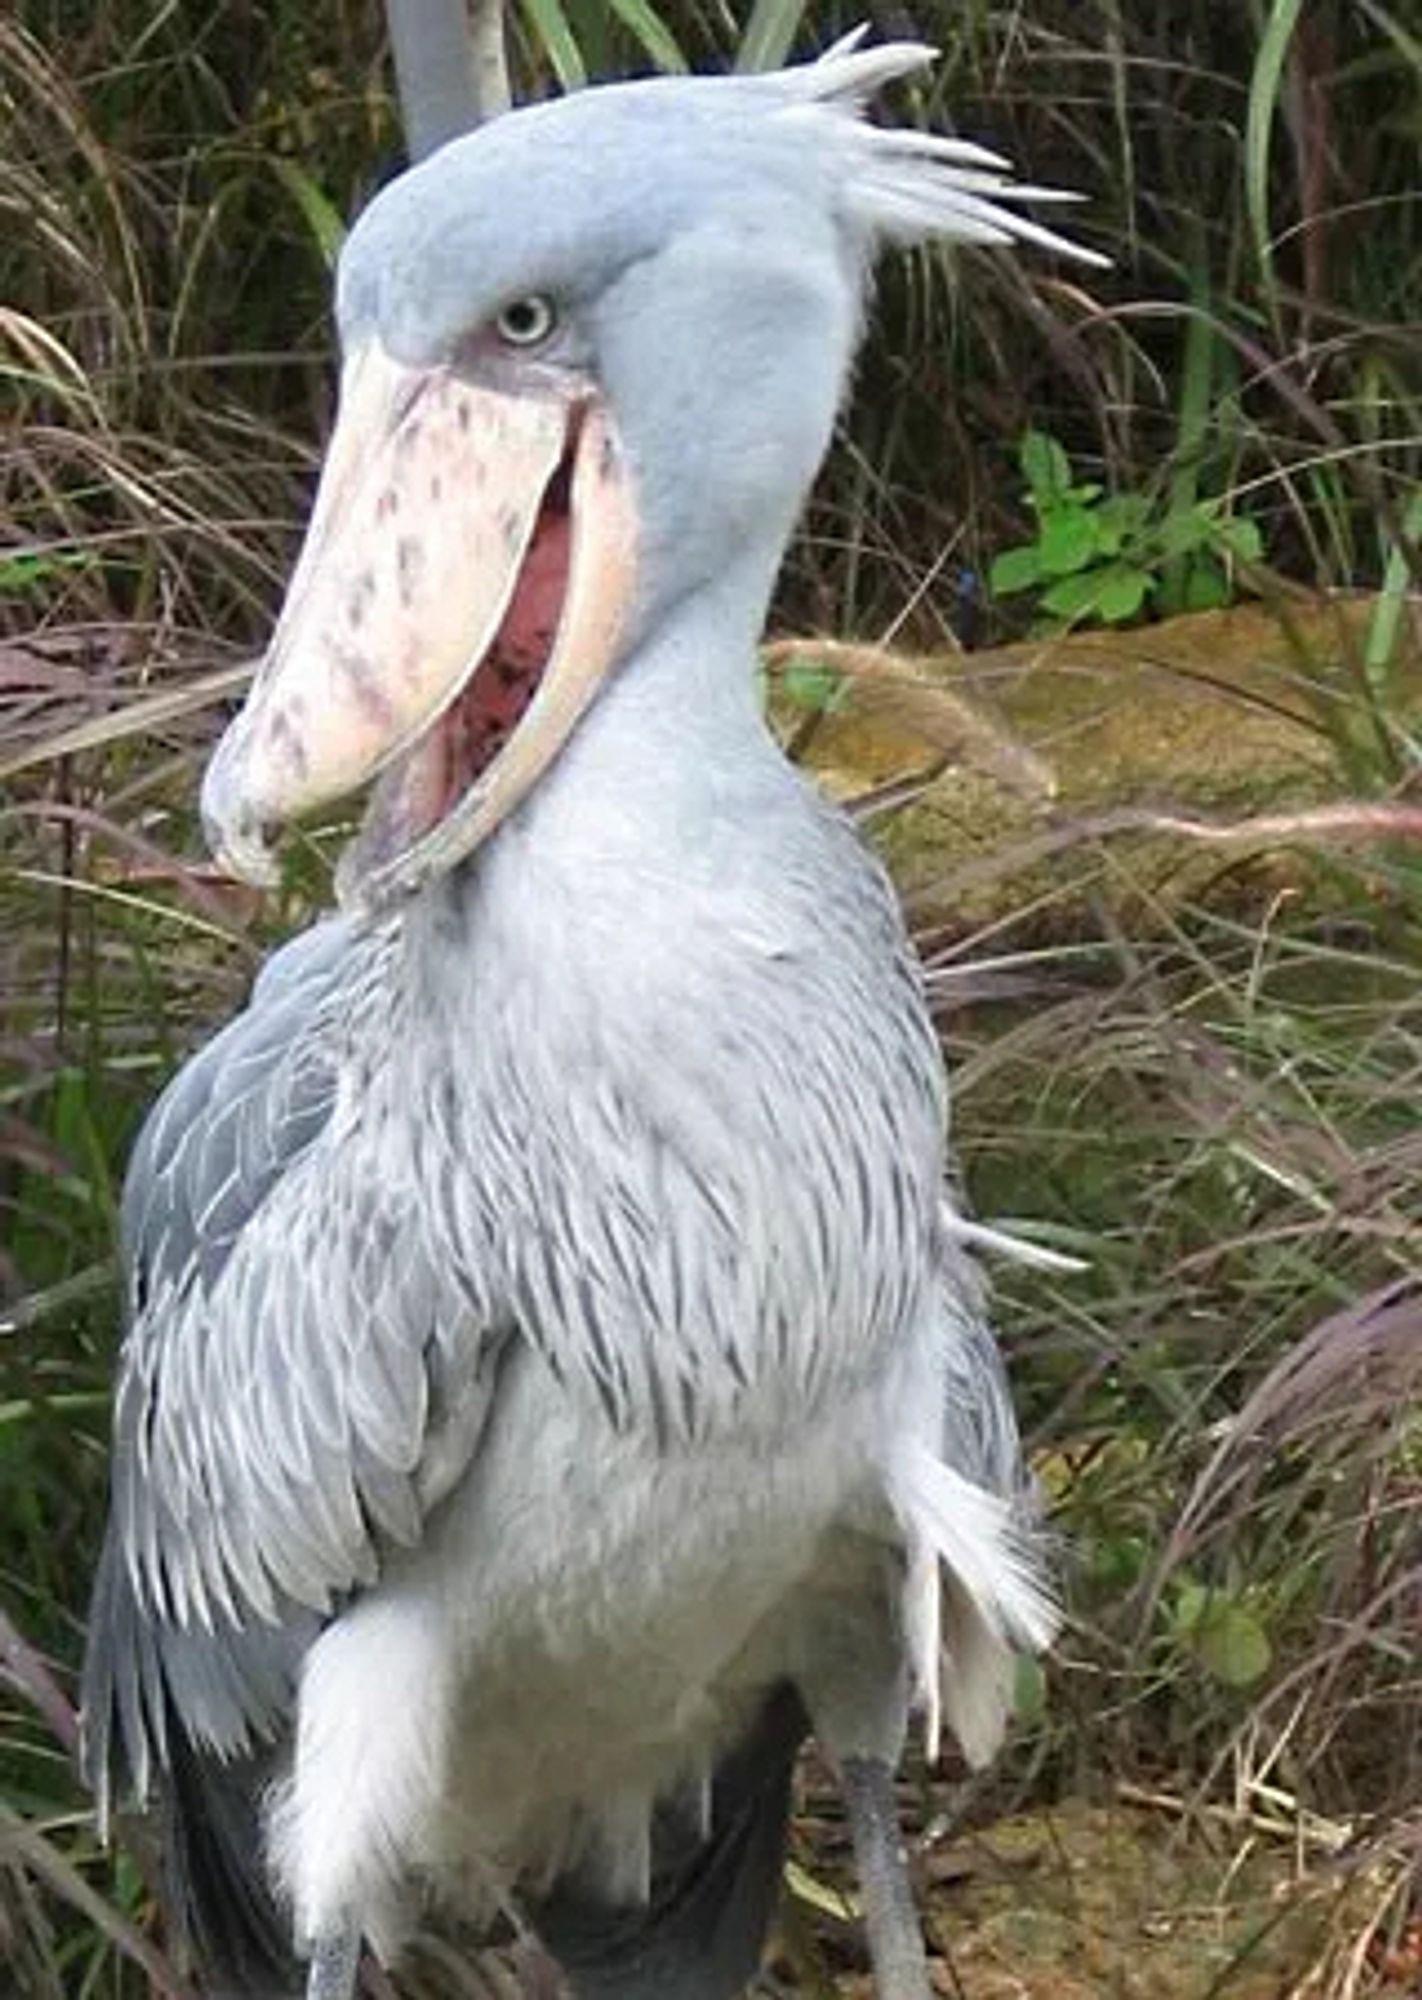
x: 1223, y: 1633
x: 1385, y: 628
x: 816, y: 687
x: 314, y: 206
x: 25, y: 575
x: 579, y: 41
x: 1103, y: 559
x: 1266, y: 86
x: 1029, y: 1690
x: 1222, y: 1115
x: 1201, y: 1103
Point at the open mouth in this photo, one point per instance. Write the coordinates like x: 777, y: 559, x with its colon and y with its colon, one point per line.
x: 460, y: 598
x: 429, y: 781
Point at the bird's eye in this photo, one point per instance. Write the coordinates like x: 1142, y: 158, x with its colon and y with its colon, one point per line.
x: 526, y: 322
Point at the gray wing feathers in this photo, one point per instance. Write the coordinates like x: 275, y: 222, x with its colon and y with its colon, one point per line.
x: 141, y: 1672
x: 235, y: 1118
x: 979, y: 1434
x: 294, y: 1358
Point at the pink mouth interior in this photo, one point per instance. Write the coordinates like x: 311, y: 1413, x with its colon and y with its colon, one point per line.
x: 438, y: 770
x: 482, y: 718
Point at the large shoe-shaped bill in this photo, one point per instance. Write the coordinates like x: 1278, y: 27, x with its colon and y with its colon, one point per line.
x: 457, y: 604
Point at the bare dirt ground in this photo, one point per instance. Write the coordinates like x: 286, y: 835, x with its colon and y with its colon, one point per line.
x: 1109, y: 1902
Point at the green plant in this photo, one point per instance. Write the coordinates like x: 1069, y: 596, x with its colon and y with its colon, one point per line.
x: 579, y: 40
x: 1226, y: 1635
x: 25, y: 575
x: 1100, y: 558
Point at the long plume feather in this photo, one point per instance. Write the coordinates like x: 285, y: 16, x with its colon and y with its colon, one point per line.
x: 906, y: 186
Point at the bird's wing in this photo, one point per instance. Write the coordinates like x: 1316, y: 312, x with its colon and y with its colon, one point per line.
x: 979, y: 1435
x: 976, y: 1584
x: 301, y: 1381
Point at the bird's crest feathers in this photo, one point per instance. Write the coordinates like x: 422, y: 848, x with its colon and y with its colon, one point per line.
x: 906, y: 186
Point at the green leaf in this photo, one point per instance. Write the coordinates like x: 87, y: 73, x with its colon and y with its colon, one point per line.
x: 1115, y: 1562
x: 1223, y: 1634
x: 1045, y: 467
x: 1192, y: 1601
x: 1075, y: 597
x: 22, y: 572
x: 1265, y: 97
x: 1386, y: 621
x: 822, y: 1896
x: 1121, y: 591
x: 769, y: 34
x: 1240, y: 537
x: 1206, y: 586
x: 653, y: 33
x: 1015, y: 569
x: 814, y: 686
x: 1068, y: 540
x: 1119, y: 520
x: 1184, y: 530
x: 1231, y: 1644
x: 1029, y: 1688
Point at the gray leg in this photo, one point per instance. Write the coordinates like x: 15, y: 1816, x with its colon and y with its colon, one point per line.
x: 334, y: 1965
x: 895, y: 1938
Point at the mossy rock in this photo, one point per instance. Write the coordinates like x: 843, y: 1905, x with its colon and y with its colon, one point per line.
x: 1164, y: 764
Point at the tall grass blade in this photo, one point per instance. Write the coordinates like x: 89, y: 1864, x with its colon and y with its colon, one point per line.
x: 317, y: 210
x: 770, y: 34
x: 22, y: 1845
x: 1385, y: 625
x: 653, y: 34
x: 1265, y: 85
x: 1407, y: 44
x: 134, y: 719
x: 554, y: 33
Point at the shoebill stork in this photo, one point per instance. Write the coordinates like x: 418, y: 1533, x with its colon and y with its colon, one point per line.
x: 554, y: 1379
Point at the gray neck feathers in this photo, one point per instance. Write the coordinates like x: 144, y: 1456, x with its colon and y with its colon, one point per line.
x: 682, y: 1057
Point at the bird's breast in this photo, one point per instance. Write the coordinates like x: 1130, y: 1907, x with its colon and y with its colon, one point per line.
x: 702, y: 1148
x: 622, y: 1610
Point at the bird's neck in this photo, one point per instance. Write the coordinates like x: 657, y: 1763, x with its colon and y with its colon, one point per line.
x: 669, y: 806
x: 674, y: 747
x: 687, y: 693
x: 667, y: 1003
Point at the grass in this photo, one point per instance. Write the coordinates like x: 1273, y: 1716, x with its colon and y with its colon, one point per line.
x: 1238, y: 1357
x: 1224, y: 1409
x: 1219, y: 1107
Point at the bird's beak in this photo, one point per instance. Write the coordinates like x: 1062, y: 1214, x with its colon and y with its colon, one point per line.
x: 456, y: 606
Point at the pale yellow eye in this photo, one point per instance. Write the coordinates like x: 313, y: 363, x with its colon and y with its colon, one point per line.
x: 526, y: 322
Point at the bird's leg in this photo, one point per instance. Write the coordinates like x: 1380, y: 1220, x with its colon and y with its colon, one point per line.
x: 895, y: 1938
x: 335, y: 1964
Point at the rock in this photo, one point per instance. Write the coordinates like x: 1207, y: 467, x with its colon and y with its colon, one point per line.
x: 1166, y: 763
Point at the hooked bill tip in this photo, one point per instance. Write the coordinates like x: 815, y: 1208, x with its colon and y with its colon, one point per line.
x: 239, y: 840
x: 248, y: 852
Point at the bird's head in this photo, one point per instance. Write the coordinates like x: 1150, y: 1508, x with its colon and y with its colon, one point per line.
x: 592, y: 358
